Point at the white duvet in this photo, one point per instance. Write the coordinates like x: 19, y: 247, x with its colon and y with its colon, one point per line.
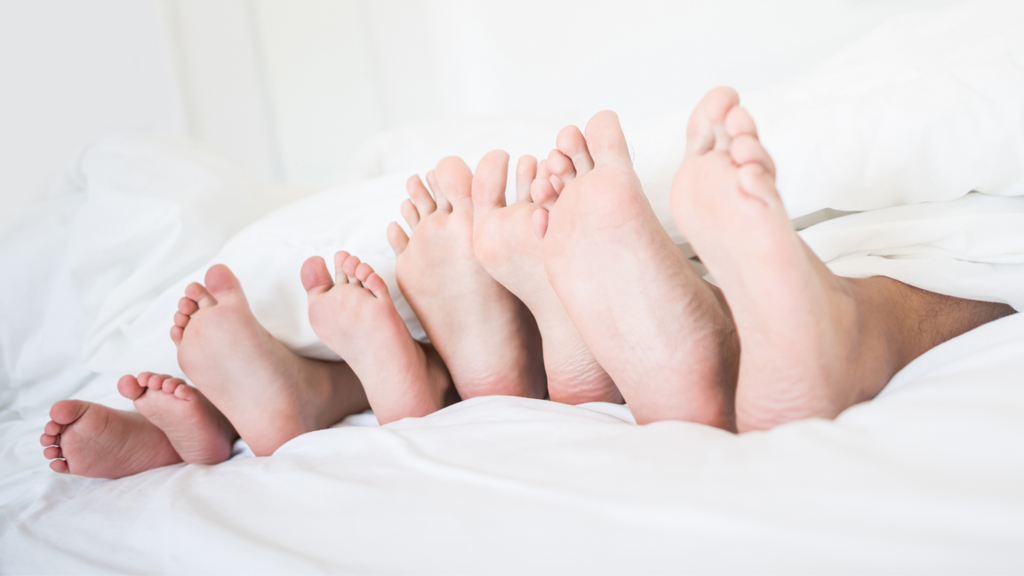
x: 926, y: 478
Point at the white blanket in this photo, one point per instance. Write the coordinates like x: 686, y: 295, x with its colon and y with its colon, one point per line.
x: 924, y: 479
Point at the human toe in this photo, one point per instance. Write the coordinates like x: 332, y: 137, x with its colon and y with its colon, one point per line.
x: 129, y: 387
x: 220, y: 280
x: 605, y: 140
x: 526, y: 172
x: 420, y: 197
x: 315, y: 278
x: 745, y: 149
x: 455, y: 182
x: 489, y: 181
x: 51, y: 452
x: 572, y: 144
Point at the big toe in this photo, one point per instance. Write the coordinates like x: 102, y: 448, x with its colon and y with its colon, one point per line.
x: 706, y: 127
x: 455, y: 180
x: 129, y: 387
x: 489, y: 181
x: 67, y: 411
x: 315, y: 277
x: 221, y: 281
x: 605, y: 140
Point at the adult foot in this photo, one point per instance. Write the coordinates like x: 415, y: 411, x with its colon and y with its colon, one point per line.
x: 508, y: 249
x: 486, y: 336
x: 809, y: 346
x: 355, y: 317
x: 660, y: 330
x: 92, y: 440
x: 197, y: 430
x: 269, y: 393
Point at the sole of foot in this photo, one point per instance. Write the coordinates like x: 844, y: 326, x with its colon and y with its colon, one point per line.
x: 808, y: 350
x: 486, y: 336
x: 658, y: 328
x: 269, y: 393
x: 197, y: 430
x: 508, y: 249
x: 354, y: 316
x: 92, y: 440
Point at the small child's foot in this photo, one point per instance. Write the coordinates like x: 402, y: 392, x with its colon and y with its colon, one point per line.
x: 486, y: 336
x: 808, y: 349
x: 269, y: 393
x: 512, y: 254
x: 356, y: 319
x: 95, y: 441
x: 658, y: 328
x: 197, y: 430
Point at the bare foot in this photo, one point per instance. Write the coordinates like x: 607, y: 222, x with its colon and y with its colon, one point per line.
x: 804, y: 348
x: 512, y: 254
x: 486, y: 336
x: 268, y: 392
x: 197, y: 430
x: 356, y: 319
x: 658, y: 328
x: 93, y: 440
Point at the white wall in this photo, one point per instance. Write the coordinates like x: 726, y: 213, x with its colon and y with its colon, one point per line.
x: 293, y: 90
x: 71, y: 72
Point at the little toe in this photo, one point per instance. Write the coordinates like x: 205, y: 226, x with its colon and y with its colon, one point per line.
x: 456, y: 181
x: 443, y: 205
x: 526, y: 173
x: 570, y: 142
x: 397, y: 238
x: 561, y: 166
x: 409, y: 213
x: 420, y: 197
x: 200, y: 295
x: 605, y: 140
x: 185, y: 392
x: 59, y: 466
x: 52, y: 452
x: 187, y: 306
x: 315, y: 278
x: 489, y: 181
x: 129, y: 387
x: 745, y: 149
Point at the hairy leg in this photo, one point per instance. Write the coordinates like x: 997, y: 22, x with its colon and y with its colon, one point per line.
x: 813, y: 343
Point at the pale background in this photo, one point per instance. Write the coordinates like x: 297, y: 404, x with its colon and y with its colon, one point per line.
x: 293, y: 91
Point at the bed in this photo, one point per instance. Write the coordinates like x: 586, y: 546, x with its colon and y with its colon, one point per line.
x: 905, y: 151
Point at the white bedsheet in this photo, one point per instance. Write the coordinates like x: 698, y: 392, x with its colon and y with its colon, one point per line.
x: 925, y: 479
